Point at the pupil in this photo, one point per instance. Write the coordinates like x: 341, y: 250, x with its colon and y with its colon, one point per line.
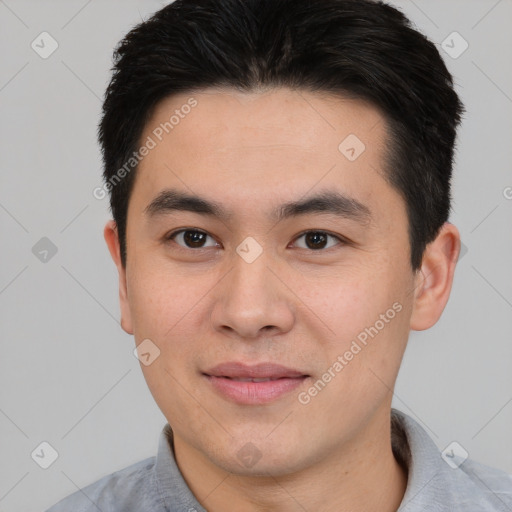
x: 194, y: 237
x: 315, y: 238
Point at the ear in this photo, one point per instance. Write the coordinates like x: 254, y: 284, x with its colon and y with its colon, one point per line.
x: 433, y: 282
x: 111, y: 236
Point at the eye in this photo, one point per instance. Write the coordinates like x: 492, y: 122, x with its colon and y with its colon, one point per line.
x: 196, y: 239
x: 316, y: 240
x: 191, y: 238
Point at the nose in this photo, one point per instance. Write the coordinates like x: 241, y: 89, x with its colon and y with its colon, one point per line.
x: 253, y: 300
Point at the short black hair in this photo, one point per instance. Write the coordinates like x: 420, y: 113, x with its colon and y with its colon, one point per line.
x: 360, y: 49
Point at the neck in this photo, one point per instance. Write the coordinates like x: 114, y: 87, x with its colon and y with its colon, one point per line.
x: 357, y: 478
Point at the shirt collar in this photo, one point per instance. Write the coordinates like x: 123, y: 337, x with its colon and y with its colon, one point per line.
x: 432, y: 484
x: 172, y: 488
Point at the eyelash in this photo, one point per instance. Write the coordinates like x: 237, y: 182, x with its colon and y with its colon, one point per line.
x: 171, y: 237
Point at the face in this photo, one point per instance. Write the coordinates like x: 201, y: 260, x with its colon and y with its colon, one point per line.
x: 288, y: 260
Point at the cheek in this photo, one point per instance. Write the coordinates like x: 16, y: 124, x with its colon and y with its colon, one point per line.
x: 160, y: 298
x: 348, y: 303
x: 163, y: 310
x: 169, y: 311
x: 367, y: 316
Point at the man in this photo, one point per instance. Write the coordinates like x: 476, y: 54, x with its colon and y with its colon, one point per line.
x: 279, y: 174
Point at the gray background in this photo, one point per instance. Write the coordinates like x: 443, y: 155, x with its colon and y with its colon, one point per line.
x: 68, y: 374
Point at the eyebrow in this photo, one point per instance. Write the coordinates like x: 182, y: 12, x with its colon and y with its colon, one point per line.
x: 328, y: 201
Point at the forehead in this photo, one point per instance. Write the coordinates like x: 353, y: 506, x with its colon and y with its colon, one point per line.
x: 271, y: 146
x: 224, y: 120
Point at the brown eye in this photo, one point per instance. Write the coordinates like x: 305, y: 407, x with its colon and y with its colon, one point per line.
x: 316, y: 240
x: 191, y: 238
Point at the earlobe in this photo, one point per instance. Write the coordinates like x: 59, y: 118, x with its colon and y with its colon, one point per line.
x: 111, y: 236
x: 434, y: 280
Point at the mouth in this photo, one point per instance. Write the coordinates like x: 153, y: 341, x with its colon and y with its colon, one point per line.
x: 240, y: 379
x: 253, y: 384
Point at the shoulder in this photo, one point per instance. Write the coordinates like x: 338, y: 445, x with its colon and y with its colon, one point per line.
x: 126, y: 490
x: 445, y: 481
x: 484, y: 485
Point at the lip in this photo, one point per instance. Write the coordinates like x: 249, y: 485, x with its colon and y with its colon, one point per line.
x: 224, y: 380
x: 235, y: 369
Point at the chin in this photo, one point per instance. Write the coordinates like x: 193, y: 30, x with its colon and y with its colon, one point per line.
x: 259, y: 458
x: 262, y: 468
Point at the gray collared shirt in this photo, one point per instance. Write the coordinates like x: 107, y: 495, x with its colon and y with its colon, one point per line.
x: 156, y: 484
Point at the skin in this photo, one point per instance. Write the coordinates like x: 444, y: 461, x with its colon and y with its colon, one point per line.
x: 294, y: 305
